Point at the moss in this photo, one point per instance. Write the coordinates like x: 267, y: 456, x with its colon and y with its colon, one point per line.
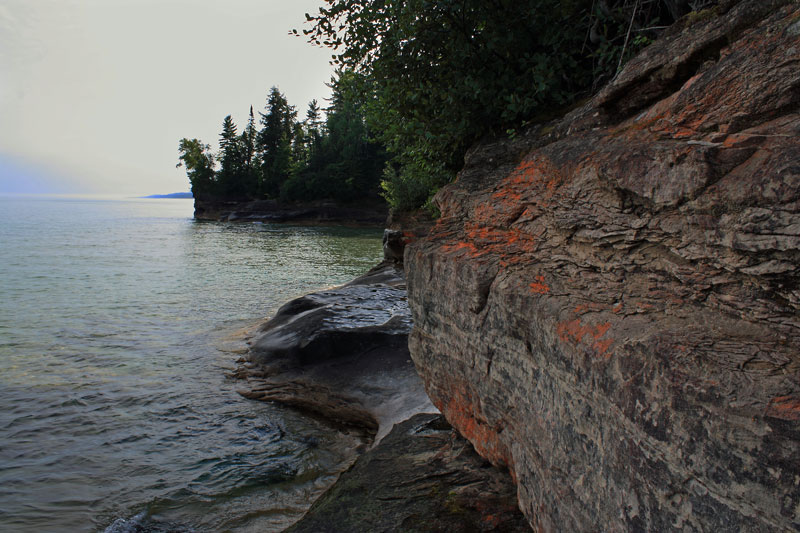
x: 696, y: 17
x: 452, y: 504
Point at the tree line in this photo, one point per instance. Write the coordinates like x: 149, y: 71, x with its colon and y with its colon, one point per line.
x: 419, y: 82
x: 292, y: 160
x: 445, y: 73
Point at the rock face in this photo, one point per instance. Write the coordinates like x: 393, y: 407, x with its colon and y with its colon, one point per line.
x: 342, y: 355
x: 273, y: 211
x: 609, y: 306
x: 423, y: 477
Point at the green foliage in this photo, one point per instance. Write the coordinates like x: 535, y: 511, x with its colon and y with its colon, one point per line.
x: 294, y: 161
x: 232, y: 162
x: 407, y: 188
x: 274, y: 143
x: 442, y: 73
x: 199, y: 163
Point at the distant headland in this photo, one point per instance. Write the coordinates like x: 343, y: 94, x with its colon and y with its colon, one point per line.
x: 172, y: 195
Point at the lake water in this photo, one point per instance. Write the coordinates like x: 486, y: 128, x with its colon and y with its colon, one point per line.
x: 119, y: 323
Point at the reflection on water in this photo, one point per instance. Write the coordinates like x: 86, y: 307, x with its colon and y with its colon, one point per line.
x: 118, y: 322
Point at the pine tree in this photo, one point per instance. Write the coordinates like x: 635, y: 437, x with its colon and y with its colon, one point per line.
x: 275, y: 142
x: 313, y: 128
x: 251, y: 167
x: 231, y: 154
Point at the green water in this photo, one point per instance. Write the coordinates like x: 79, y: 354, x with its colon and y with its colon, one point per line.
x: 119, y: 321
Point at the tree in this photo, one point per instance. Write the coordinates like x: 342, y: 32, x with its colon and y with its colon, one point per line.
x: 313, y: 127
x: 443, y: 73
x: 251, y: 167
x: 274, y: 143
x: 346, y: 165
x: 199, y: 163
x: 232, y: 173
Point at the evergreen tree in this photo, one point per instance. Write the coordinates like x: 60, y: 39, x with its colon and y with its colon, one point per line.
x: 274, y: 143
x: 313, y: 127
x: 251, y: 167
x: 344, y: 165
x: 231, y: 176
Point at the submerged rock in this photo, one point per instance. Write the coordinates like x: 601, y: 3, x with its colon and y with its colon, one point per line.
x: 423, y: 477
x: 609, y: 305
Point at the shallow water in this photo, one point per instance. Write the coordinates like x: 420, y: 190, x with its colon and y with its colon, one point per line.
x: 119, y: 320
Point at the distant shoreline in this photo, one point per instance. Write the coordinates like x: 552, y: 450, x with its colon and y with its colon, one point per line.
x: 171, y: 195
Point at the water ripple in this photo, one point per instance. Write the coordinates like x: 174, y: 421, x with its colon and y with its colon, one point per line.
x: 115, y: 414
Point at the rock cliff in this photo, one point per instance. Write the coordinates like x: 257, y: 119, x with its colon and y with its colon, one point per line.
x: 608, y: 305
x: 341, y: 355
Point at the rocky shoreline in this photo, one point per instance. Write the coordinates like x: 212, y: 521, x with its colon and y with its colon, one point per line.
x: 607, y: 308
x: 341, y: 355
x: 274, y: 211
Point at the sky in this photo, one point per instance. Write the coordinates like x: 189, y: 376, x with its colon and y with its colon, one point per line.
x: 96, y: 94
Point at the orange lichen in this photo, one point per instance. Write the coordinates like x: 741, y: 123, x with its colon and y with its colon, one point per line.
x: 470, y: 248
x: 784, y: 407
x: 601, y: 347
x: 591, y: 306
x: 464, y: 415
x: 539, y: 287
x: 532, y: 181
x: 575, y: 331
x: 508, y: 245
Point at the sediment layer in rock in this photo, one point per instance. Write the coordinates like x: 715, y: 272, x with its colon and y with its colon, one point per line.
x: 273, y: 211
x: 609, y: 305
x: 422, y: 477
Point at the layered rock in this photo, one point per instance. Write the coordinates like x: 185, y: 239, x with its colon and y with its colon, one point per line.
x: 341, y: 355
x: 422, y: 477
x: 608, y: 305
x: 273, y: 211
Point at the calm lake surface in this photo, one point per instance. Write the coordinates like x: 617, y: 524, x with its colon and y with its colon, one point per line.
x: 119, y: 323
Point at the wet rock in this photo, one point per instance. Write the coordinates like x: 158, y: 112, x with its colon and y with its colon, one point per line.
x: 609, y: 305
x: 423, y: 477
x: 393, y: 245
x: 341, y: 355
x: 274, y: 211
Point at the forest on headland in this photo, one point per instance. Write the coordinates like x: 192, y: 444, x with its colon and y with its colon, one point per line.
x: 418, y: 82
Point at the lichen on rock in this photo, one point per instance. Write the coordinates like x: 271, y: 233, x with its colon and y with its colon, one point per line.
x: 609, y: 304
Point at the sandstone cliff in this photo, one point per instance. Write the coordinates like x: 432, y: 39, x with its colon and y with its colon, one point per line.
x: 341, y: 355
x: 608, y: 306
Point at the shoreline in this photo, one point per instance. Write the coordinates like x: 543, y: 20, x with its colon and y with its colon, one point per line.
x: 341, y: 356
x: 312, y: 213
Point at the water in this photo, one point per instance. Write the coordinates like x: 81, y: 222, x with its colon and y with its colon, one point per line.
x: 119, y: 321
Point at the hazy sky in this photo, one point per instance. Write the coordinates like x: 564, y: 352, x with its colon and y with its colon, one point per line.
x: 96, y: 94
